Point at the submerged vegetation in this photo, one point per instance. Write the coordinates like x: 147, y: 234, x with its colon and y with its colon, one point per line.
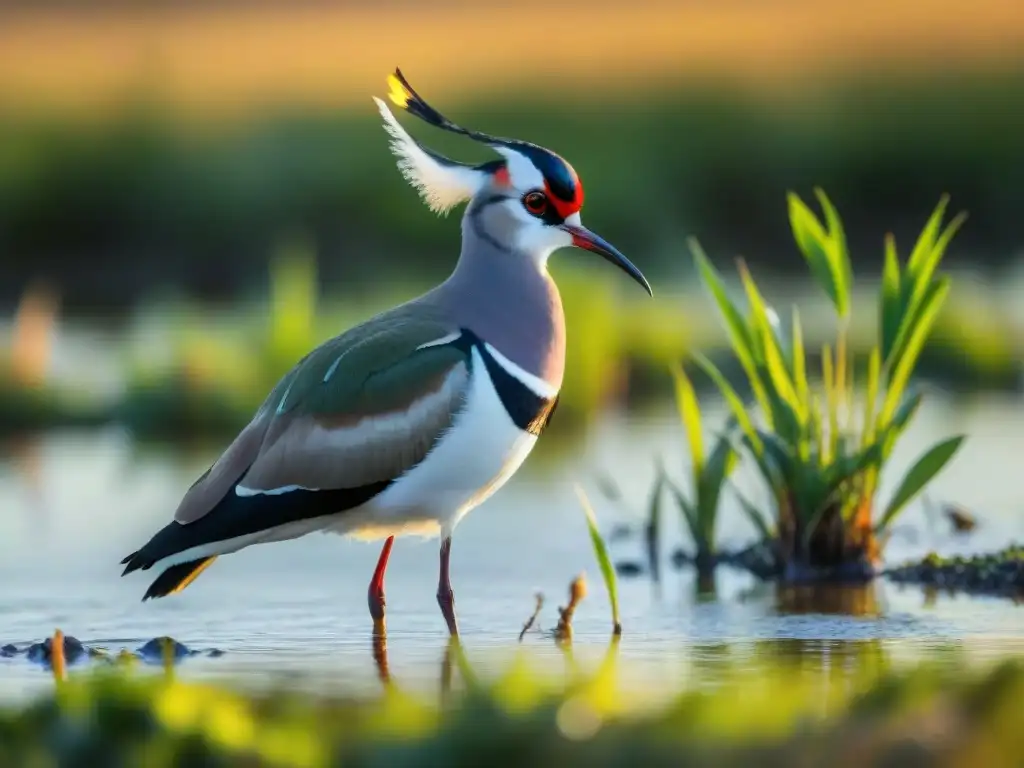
x: 819, y: 454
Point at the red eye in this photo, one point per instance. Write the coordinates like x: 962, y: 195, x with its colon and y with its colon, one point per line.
x: 536, y: 203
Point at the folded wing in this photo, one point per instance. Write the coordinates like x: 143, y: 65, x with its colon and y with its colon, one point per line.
x: 348, y: 421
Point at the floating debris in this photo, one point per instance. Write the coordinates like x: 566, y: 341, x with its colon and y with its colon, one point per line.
x: 533, y: 617
x: 577, y: 591
x: 73, y: 650
x: 159, y: 650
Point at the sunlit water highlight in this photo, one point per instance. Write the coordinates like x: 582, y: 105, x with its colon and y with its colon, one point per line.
x: 74, y: 504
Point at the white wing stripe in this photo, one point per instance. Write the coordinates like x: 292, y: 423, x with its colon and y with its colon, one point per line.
x: 442, y: 341
x: 536, y: 384
x: 241, y: 490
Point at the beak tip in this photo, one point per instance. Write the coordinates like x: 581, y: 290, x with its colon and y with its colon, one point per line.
x: 584, y: 238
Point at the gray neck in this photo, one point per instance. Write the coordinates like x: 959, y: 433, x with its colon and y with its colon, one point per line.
x: 508, y: 300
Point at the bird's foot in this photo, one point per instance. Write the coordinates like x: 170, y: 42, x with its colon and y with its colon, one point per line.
x: 375, y: 599
x: 446, y: 600
x: 375, y: 593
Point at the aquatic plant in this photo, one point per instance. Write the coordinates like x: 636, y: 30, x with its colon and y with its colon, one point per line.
x: 604, y: 562
x: 709, y: 474
x: 822, y: 461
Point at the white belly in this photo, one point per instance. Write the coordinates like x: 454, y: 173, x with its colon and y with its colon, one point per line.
x: 481, y: 451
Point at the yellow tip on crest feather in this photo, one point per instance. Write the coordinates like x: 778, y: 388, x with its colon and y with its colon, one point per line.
x: 398, y: 94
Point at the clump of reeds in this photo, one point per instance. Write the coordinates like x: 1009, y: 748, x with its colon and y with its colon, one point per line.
x: 819, y: 455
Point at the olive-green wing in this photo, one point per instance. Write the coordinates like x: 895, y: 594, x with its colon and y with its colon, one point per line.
x: 361, y: 409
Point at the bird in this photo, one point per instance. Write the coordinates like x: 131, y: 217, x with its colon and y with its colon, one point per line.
x: 403, y: 424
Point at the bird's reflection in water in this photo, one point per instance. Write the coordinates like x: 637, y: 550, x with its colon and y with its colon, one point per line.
x: 379, y: 642
x: 454, y: 656
x: 446, y: 667
x: 380, y: 657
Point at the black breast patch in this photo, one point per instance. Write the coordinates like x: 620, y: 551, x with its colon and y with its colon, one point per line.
x: 528, y: 410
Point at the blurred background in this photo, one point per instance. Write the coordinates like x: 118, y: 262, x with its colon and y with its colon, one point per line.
x: 193, y: 194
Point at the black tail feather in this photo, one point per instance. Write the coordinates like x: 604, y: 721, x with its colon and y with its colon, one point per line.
x: 235, y: 517
x: 134, y: 562
x: 176, y: 578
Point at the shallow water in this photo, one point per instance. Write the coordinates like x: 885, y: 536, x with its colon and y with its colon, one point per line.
x: 73, y: 505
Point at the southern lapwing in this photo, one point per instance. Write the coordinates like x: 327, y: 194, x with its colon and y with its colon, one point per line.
x: 403, y: 424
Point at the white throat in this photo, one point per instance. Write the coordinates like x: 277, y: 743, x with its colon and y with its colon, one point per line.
x: 539, y: 240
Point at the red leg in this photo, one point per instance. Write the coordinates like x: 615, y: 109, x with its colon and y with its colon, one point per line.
x: 445, y: 595
x: 375, y: 594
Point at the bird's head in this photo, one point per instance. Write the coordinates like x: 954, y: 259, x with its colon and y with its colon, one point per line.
x: 528, y: 201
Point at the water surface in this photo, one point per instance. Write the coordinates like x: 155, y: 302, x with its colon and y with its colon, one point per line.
x: 74, y: 504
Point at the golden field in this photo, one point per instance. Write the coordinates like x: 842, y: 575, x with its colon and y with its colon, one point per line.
x: 228, y: 59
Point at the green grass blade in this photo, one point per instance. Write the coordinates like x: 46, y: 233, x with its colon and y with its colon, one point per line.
x: 785, y: 342
x: 925, y: 244
x: 739, y: 410
x: 815, y: 429
x: 721, y: 462
x: 778, y: 379
x: 947, y: 234
x: 871, y: 396
x: 901, y: 418
x: 918, y: 476
x: 689, y: 413
x: 816, y: 247
x: 604, y: 561
x: 756, y: 517
x: 891, y: 309
x: 841, y: 266
x: 802, y: 389
x: 922, y: 327
x: 842, y: 372
x: 799, y: 359
x: 921, y: 269
x: 652, y: 529
x: 847, y: 467
x: 690, y: 517
x: 779, y: 454
x: 735, y: 324
x: 828, y: 449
